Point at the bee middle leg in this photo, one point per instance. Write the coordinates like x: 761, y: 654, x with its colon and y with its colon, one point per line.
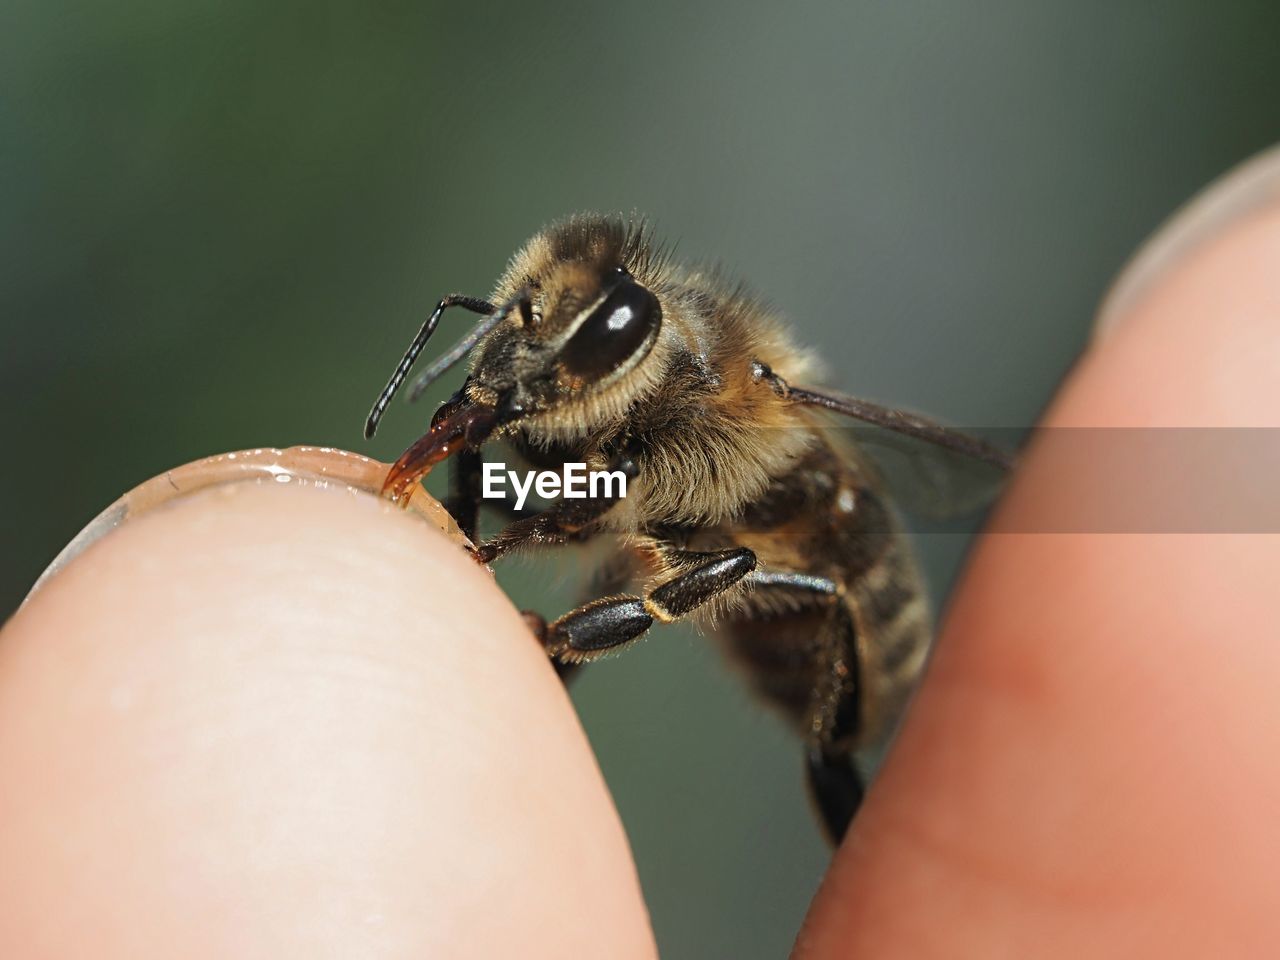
x: 613, y: 575
x: 612, y: 622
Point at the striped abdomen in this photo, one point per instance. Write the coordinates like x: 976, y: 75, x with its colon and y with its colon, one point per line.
x: 801, y: 646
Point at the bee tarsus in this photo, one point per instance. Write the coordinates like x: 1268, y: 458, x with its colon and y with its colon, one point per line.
x: 611, y: 622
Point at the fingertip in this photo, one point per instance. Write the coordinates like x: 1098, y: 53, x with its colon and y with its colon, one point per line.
x: 1088, y: 768
x: 1241, y: 193
x: 281, y: 719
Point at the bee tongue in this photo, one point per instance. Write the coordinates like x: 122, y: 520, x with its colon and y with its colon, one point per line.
x: 466, y: 426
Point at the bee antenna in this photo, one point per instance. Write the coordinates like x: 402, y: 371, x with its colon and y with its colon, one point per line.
x: 474, y: 304
x: 443, y: 363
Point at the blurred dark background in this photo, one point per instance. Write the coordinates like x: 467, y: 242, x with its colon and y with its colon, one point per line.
x: 221, y: 222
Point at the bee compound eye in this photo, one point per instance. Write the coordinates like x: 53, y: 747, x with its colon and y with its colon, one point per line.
x: 623, y: 325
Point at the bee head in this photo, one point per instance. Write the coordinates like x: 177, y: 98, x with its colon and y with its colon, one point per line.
x: 575, y: 340
x: 578, y: 343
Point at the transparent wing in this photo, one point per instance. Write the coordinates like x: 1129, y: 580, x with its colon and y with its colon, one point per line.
x: 930, y: 470
x: 928, y: 481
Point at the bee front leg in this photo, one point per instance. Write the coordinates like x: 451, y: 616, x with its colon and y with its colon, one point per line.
x: 567, y: 520
x: 464, y: 500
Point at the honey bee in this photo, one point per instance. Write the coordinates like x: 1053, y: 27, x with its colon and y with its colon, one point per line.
x: 742, y: 512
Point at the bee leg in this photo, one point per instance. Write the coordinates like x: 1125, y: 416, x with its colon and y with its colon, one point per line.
x: 566, y: 520
x: 834, y: 780
x: 836, y: 787
x: 610, y: 578
x: 466, y: 468
x: 613, y: 621
x: 835, y: 783
x: 703, y: 577
x: 591, y: 628
x: 463, y: 502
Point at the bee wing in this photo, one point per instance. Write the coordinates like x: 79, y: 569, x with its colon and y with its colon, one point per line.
x: 931, y: 470
x: 928, y: 481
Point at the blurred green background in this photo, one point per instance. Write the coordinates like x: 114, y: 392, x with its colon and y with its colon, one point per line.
x: 221, y: 222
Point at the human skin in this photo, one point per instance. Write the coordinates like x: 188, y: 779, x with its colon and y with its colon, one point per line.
x: 1092, y: 767
x: 279, y: 721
